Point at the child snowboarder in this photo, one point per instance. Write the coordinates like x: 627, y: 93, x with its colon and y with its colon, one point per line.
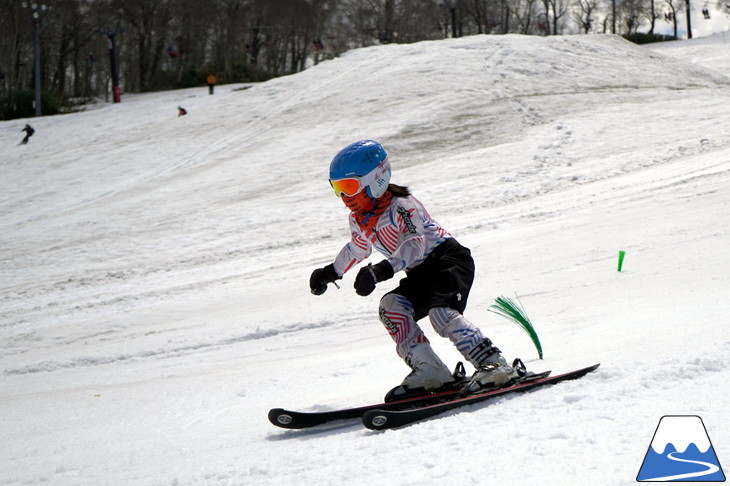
x: 28, y: 133
x: 439, y: 274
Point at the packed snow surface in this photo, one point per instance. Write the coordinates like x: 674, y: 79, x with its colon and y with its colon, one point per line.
x: 154, y: 300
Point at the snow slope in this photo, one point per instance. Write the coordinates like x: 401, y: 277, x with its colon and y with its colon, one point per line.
x: 154, y: 300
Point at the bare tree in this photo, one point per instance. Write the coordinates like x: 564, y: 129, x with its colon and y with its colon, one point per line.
x: 418, y: 20
x: 585, y: 15
x: 16, y: 46
x: 672, y: 14
x: 148, y: 22
x: 558, y: 10
x: 524, y: 12
x: 652, y: 14
x: 479, y: 12
x: 631, y: 12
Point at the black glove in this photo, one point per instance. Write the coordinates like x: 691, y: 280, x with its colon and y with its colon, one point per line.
x: 321, y: 277
x: 368, y: 276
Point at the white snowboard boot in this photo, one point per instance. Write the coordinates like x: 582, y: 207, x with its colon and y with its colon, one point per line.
x: 428, y: 373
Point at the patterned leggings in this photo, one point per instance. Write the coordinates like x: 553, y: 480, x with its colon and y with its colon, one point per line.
x: 398, y: 316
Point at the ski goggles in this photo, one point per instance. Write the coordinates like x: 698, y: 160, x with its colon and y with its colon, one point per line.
x: 350, y: 186
x: 347, y: 187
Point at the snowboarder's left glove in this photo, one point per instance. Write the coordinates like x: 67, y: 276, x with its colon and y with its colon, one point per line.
x: 321, y: 277
x: 368, y: 276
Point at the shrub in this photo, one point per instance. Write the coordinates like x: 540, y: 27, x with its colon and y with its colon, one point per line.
x: 21, y: 105
x: 645, y: 38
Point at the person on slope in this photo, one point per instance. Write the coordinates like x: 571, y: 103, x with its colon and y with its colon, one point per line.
x: 29, y: 131
x: 439, y: 273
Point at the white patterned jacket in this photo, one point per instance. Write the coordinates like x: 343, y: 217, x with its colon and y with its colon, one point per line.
x: 405, y: 234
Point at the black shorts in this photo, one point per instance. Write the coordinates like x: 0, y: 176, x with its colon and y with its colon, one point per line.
x: 443, y: 279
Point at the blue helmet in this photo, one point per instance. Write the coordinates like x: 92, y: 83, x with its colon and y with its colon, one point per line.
x: 360, y: 165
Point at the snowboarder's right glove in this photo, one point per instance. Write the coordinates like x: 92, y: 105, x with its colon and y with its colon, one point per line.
x: 321, y: 277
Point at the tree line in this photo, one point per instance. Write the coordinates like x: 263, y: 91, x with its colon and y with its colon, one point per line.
x: 164, y: 44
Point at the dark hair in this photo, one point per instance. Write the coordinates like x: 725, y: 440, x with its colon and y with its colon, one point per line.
x: 399, y: 191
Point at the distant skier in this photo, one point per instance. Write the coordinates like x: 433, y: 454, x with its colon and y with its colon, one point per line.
x: 181, y: 111
x: 28, y: 133
x: 439, y: 273
x: 212, y: 81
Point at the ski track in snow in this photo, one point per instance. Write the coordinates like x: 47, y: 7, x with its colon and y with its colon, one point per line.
x: 154, y: 300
